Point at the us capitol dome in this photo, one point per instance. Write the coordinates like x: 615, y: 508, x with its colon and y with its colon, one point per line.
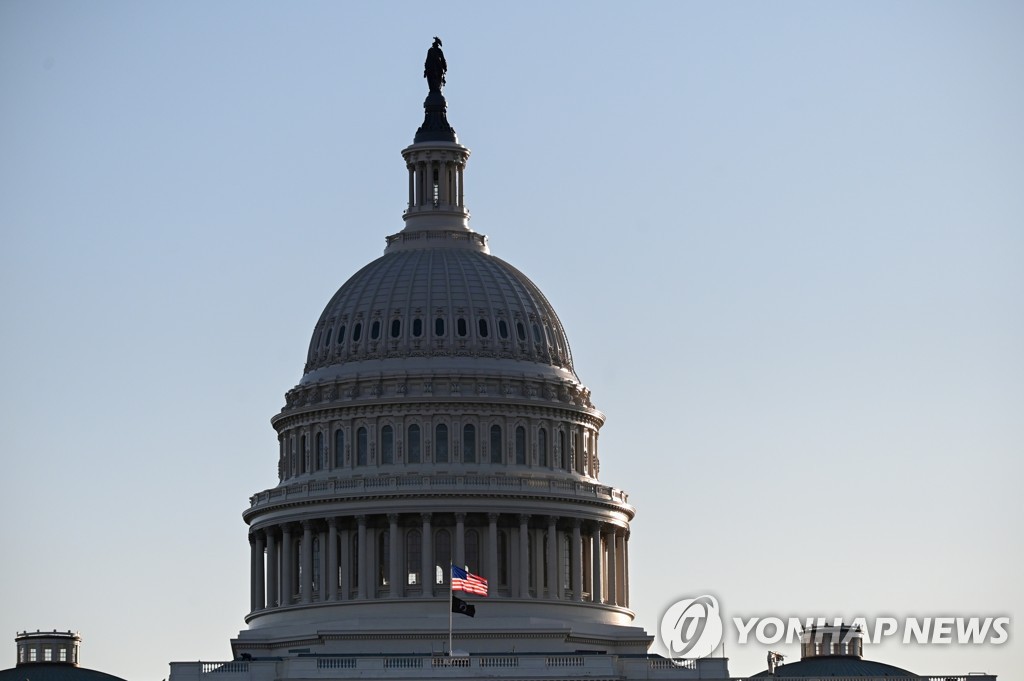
x: 439, y: 420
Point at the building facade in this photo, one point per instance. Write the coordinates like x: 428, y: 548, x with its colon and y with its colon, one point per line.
x: 440, y: 420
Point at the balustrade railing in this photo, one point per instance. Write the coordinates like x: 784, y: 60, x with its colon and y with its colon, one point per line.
x: 334, y: 487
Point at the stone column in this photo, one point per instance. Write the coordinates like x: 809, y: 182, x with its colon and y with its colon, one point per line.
x: 613, y: 579
x: 361, y: 562
x: 256, y: 582
x: 272, y: 560
x: 345, y: 560
x: 626, y: 570
x: 332, y: 559
x: 577, y: 561
x: 306, y: 571
x: 321, y: 559
x: 620, y: 570
x: 412, y: 186
x: 287, y: 580
x: 460, y: 539
x: 428, y: 556
x: 462, y: 193
x: 395, y: 571
x: 539, y: 572
x: 554, y: 574
x: 492, y: 551
x: 524, y: 556
x: 597, y: 589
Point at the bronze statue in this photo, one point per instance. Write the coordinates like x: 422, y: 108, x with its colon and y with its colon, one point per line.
x: 435, y: 67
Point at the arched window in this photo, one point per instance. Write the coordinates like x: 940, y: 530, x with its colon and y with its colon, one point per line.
x: 461, y: 328
x: 339, y: 448
x: 417, y: 327
x: 362, y: 447
x: 357, y: 332
x: 413, y: 444
x: 304, y: 456
x: 502, y: 329
x: 441, y: 443
x: 293, y: 456
x: 496, y: 445
x: 574, y: 454
x: 469, y: 443
x: 482, y: 329
x: 563, y: 453
x: 375, y: 330
x: 520, y: 446
x: 341, y: 335
x: 383, y: 558
x: 472, y: 551
x: 536, y: 333
x: 327, y: 340
x: 321, y: 452
x: 439, y: 326
x: 542, y: 447
x: 396, y: 328
x: 521, y: 331
x: 387, y: 445
x: 442, y: 556
x: 413, y: 557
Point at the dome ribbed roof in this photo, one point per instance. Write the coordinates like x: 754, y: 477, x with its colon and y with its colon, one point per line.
x: 436, y: 301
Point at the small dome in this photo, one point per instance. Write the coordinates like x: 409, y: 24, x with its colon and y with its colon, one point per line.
x: 436, y: 299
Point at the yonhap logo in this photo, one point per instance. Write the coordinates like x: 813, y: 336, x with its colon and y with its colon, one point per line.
x: 692, y: 627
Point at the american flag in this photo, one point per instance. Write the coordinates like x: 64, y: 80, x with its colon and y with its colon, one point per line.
x: 468, y: 582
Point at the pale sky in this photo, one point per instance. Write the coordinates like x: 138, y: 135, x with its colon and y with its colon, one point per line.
x: 785, y: 239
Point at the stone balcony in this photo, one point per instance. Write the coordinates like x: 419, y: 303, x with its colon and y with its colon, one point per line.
x: 414, y: 484
x: 407, y: 667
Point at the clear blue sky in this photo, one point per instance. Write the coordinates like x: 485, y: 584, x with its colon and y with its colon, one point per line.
x: 786, y: 240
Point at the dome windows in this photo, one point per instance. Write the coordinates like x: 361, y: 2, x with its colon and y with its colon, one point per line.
x: 482, y: 327
x: 441, y: 443
x: 357, y: 332
x: 387, y: 445
x: 375, y: 330
x: 341, y: 335
x: 520, y: 446
x: 461, y: 328
x: 521, y: 331
x: 502, y: 329
x: 327, y: 341
x: 496, y: 453
x: 417, y: 327
x: 362, y: 447
x: 439, y: 327
x: 396, y: 328
x: 469, y: 443
x: 413, y: 444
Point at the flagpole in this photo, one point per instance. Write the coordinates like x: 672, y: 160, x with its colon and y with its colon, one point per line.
x: 450, y: 603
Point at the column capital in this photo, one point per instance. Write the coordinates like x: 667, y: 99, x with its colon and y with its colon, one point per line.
x: 524, y: 518
x: 493, y: 517
x: 361, y: 519
x: 425, y: 517
x: 552, y: 519
x: 307, y: 525
x: 332, y: 522
x: 576, y: 523
x: 392, y: 518
x: 460, y: 517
